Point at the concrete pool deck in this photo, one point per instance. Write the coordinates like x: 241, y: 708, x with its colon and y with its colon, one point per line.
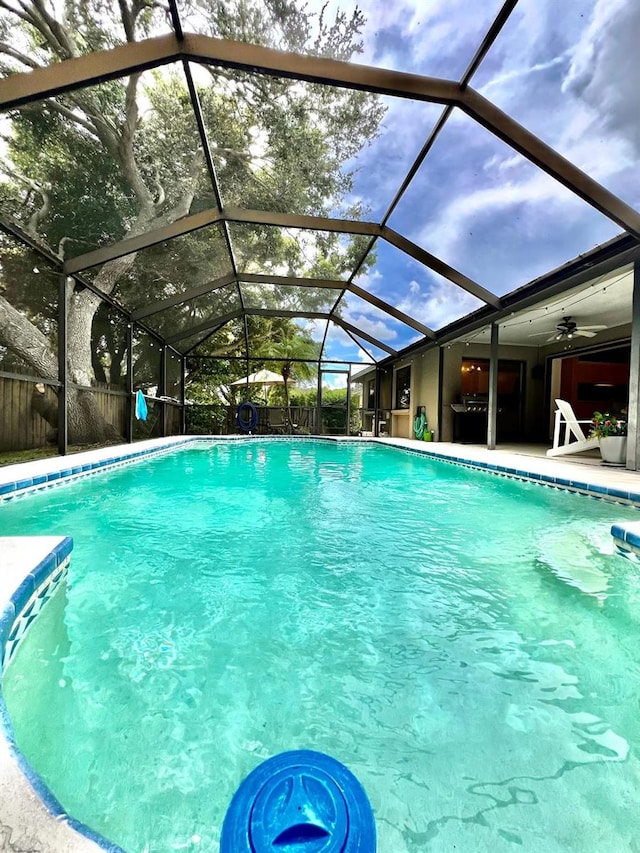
x: 26, y: 822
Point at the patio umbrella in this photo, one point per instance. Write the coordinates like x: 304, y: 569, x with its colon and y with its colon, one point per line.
x: 261, y: 377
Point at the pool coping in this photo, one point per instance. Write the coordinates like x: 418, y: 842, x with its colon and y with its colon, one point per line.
x: 32, y: 569
x: 29, y: 565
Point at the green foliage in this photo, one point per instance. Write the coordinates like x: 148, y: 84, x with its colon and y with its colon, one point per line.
x: 205, y: 419
x: 115, y: 159
x: 605, y: 425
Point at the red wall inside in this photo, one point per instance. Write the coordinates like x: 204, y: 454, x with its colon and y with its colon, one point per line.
x: 575, y: 372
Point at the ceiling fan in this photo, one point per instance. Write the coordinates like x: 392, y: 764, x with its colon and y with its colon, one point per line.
x: 568, y: 329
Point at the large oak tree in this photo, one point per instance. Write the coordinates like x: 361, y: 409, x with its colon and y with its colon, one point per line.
x: 116, y: 160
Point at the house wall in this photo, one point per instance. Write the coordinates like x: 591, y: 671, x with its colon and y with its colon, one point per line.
x: 424, y: 386
x: 538, y: 404
x: 402, y: 419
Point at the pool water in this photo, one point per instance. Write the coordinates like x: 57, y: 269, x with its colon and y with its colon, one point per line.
x: 467, y: 645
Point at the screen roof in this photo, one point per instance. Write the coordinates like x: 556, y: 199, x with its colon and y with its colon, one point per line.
x: 372, y: 173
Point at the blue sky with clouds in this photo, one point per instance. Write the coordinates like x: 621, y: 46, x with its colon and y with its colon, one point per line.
x: 567, y: 72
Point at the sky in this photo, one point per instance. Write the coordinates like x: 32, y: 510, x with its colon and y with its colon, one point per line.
x: 564, y: 70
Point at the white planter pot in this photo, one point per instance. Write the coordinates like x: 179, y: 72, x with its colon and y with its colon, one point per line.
x: 613, y: 449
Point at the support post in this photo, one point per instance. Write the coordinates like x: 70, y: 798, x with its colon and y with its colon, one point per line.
x: 440, y: 417
x: 63, y: 369
x: 183, y: 381
x: 376, y: 412
x: 492, y: 413
x: 163, y: 387
x: 130, y: 403
x: 633, y: 412
x: 319, y: 402
x: 348, y: 428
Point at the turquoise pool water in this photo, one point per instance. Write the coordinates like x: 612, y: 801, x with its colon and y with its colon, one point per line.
x: 468, y: 645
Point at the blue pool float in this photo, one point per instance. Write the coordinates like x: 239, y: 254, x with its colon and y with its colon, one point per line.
x: 247, y: 417
x: 299, y: 801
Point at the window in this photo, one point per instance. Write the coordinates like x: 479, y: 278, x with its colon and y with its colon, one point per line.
x: 403, y: 387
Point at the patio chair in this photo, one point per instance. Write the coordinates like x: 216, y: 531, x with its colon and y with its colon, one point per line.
x: 568, y: 435
x: 277, y: 421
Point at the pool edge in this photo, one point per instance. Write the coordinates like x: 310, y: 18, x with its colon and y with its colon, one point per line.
x: 24, y: 478
x: 32, y: 570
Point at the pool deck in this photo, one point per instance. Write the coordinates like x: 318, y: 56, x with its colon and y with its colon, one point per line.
x: 29, y: 823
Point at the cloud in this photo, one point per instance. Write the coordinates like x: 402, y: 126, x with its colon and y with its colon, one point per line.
x: 437, y: 305
x: 372, y: 281
x: 376, y: 328
x: 315, y: 328
x: 517, y: 74
x: 603, y: 69
x: 476, y: 208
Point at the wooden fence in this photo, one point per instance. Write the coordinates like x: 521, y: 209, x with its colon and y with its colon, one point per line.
x: 22, y: 428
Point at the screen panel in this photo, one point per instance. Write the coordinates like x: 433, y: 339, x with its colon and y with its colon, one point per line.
x: 288, y: 298
x: 193, y: 313
x: 567, y: 72
x: 72, y: 172
x: 301, y: 252
x: 415, y: 289
x: 340, y: 347
x: 88, y: 26
x: 166, y: 270
x: 482, y: 208
x: 437, y: 39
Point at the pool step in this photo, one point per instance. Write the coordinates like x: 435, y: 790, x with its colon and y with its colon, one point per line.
x: 626, y: 537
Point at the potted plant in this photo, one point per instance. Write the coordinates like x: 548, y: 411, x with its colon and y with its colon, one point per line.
x: 611, y: 432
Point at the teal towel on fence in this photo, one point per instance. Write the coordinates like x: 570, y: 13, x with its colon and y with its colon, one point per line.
x: 141, y: 406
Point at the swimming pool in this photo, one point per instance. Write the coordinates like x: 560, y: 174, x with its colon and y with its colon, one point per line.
x: 466, y: 644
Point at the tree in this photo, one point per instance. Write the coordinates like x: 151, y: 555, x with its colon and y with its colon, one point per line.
x: 124, y: 157
x: 291, y: 351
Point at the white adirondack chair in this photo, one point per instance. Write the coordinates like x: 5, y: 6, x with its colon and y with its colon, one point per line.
x: 568, y: 435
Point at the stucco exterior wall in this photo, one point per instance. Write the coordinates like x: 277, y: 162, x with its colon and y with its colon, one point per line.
x: 424, y: 386
x: 538, y: 398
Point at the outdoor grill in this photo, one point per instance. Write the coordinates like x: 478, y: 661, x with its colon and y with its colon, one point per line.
x: 470, y: 419
x: 473, y: 403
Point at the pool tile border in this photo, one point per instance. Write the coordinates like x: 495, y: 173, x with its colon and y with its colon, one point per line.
x: 39, y: 566
x: 614, y: 495
x: 30, y: 597
x: 626, y: 536
x: 11, y: 488
x: 122, y: 455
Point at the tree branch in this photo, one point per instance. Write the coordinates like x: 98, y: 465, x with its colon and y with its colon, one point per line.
x: 126, y: 154
x: 25, y: 16
x: 184, y: 204
x: 20, y: 57
x: 55, y: 32
x: 26, y: 341
x: 57, y: 107
x: 43, y: 211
